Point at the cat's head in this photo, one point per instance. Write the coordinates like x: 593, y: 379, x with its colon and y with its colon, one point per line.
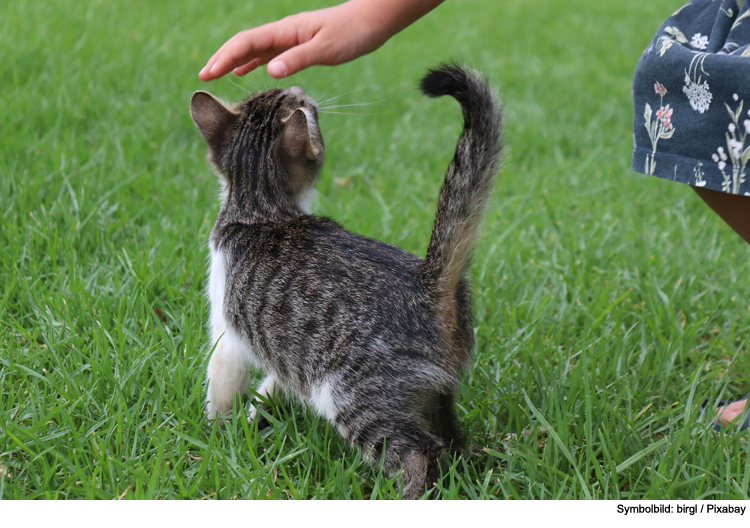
x: 268, y: 147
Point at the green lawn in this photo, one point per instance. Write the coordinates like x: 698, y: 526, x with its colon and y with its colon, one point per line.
x: 608, y: 304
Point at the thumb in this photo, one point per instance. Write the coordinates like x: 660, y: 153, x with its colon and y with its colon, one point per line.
x: 294, y: 60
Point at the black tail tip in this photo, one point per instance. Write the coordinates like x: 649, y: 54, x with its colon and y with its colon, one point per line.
x: 446, y: 79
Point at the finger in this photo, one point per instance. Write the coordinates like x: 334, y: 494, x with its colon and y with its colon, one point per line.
x: 250, y: 66
x: 241, y: 49
x: 204, y: 73
x: 294, y: 60
x: 253, y: 64
x: 247, y: 68
x: 237, y: 51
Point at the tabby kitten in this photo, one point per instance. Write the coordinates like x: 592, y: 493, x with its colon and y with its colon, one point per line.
x: 372, y: 338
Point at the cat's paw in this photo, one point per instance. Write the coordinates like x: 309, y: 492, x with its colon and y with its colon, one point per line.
x: 215, y: 416
x: 252, y: 413
x: 217, y: 420
x: 255, y: 417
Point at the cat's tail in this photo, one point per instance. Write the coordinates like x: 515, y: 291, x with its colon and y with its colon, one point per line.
x: 468, y: 183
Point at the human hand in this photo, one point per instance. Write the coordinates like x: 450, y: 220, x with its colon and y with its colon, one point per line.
x: 329, y: 36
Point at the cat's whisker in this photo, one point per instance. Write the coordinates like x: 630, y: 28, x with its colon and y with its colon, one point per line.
x: 351, y: 104
x: 333, y: 100
x: 227, y: 77
x: 321, y: 96
x: 250, y: 89
x: 358, y: 91
x: 351, y: 113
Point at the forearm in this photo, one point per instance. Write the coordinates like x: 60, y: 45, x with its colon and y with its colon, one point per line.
x: 394, y: 15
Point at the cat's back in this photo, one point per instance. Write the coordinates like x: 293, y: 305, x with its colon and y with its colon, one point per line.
x: 311, y: 269
x: 316, y: 247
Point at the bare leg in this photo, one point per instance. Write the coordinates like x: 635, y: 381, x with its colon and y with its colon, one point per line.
x: 735, y: 211
x: 732, y: 208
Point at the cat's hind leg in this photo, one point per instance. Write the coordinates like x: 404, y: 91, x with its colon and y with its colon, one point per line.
x: 400, y: 443
x: 228, y: 375
x: 410, y: 447
x: 444, y: 422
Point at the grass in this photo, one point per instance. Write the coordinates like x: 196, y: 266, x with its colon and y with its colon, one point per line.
x: 608, y: 304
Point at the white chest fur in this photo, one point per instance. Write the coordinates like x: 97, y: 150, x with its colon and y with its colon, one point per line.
x: 217, y: 279
x: 221, y: 331
x: 232, y: 356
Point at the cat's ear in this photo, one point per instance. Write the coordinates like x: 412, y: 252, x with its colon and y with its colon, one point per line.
x: 214, y: 120
x: 296, y: 140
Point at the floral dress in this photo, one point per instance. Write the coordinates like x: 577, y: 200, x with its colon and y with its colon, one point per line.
x: 691, y: 93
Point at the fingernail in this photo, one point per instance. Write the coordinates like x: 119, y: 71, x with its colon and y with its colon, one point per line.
x: 277, y: 69
x: 201, y: 72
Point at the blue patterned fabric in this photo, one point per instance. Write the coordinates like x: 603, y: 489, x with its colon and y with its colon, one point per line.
x: 691, y: 93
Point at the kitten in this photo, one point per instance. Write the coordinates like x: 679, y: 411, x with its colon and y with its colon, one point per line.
x: 372, y: 338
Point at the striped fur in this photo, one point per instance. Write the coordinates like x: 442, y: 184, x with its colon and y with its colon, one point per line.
x: 470, y: 178
x: 370, y: 337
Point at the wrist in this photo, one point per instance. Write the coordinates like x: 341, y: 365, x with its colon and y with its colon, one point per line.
x: 388, y: 17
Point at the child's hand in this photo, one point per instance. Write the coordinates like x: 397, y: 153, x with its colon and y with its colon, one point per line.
x: 329, y: 36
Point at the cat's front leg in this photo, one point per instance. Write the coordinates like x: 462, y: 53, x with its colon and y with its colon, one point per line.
x: 267, y: 389
x: 228, y: 375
